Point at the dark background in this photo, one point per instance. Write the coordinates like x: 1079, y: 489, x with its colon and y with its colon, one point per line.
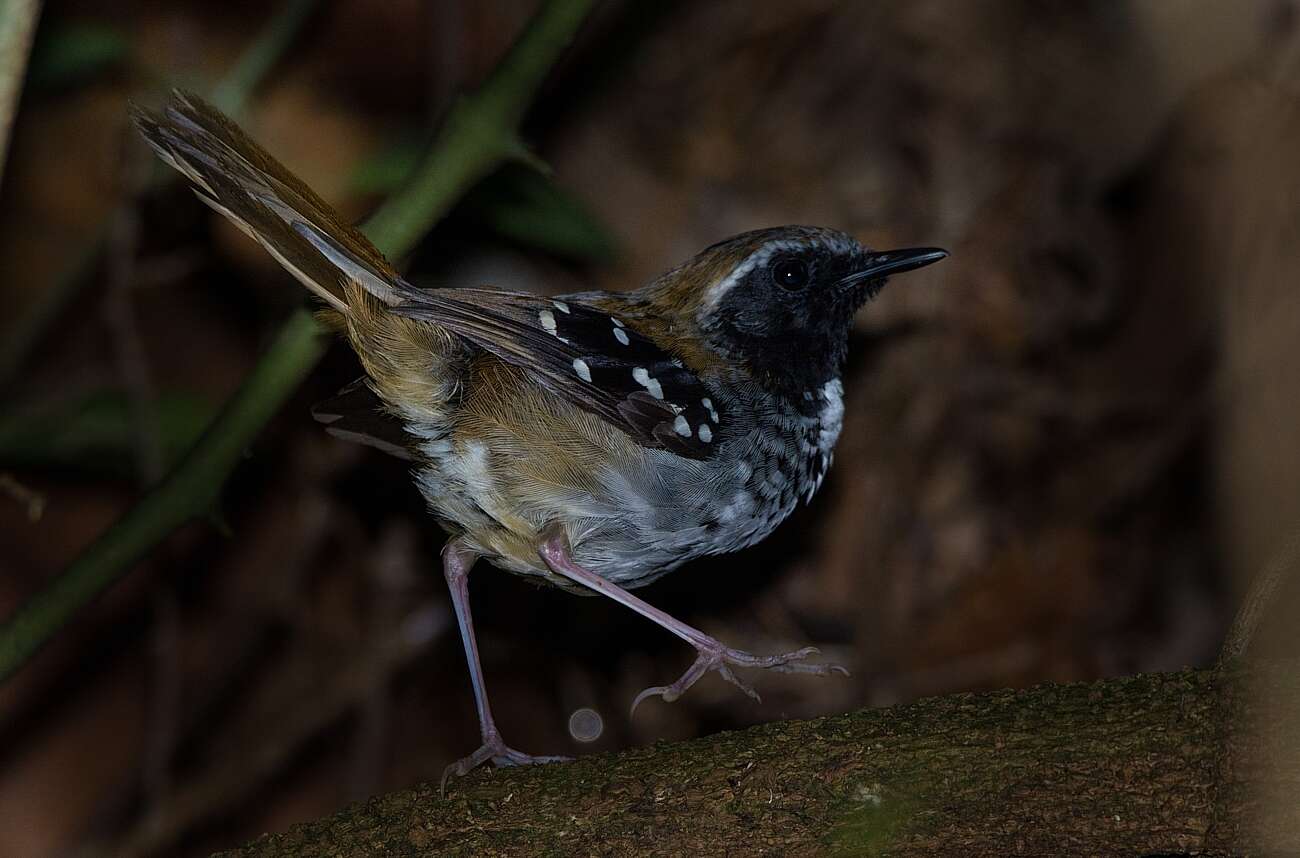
x: 1065, y: 447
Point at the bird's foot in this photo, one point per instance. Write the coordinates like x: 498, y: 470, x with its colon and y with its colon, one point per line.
x: 499, y: 754
x: 713, y: 655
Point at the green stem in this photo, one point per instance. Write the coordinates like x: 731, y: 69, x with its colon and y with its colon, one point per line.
x: 231, y: 94
x: 480, y: 133
x: 189, y: 490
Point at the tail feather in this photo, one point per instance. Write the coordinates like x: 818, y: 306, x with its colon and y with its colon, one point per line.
x: 239, y: 179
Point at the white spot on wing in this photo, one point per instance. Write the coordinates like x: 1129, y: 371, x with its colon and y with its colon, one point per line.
x: 708, y: 406
x: 705, y: 433
x: 681, y: 427
x: 547, y: 318
x: 642, y: 377
x: 581, y: 368
x: 621, y: 336
x: 617, y: 322
x: 561, y: 306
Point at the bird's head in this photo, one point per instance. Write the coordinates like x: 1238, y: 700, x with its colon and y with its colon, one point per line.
x: 781, y: 301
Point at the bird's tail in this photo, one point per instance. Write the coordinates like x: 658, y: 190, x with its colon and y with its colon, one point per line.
x: 237, y: 177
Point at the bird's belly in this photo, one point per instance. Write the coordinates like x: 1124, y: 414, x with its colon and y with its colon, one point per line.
x: 627, y: 533
x: 629, y: 520
x: 633, y: 550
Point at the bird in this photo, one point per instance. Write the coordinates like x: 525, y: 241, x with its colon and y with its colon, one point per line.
x: 593, y: 441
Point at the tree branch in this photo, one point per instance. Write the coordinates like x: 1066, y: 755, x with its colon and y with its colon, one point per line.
x: 1126, y: 767
x: 479, y: 135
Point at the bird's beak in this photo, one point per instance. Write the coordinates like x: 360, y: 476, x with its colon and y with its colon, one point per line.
x: 881, y: 264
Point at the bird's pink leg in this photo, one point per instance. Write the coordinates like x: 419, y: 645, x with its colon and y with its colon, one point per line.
x: 456, y: 563
x: 712, y: 654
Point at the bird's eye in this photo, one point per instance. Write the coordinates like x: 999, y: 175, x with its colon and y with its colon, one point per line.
x: 791, y: 274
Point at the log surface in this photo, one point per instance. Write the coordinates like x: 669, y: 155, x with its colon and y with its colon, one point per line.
x: 1153, y: 764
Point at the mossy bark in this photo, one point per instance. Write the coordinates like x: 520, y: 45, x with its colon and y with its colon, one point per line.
x: 1156, y: 764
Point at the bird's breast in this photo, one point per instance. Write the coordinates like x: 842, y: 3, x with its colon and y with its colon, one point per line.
x: 782, y: 461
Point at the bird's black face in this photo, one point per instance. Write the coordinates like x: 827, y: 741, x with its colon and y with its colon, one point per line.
x: 785, y: 309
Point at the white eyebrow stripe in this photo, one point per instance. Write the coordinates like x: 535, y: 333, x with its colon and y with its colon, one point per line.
x: 759, y: 257
x: 836, y: 243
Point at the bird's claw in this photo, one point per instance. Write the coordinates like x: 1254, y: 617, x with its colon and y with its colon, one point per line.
x: 715, y: 656
x: 499, y: 754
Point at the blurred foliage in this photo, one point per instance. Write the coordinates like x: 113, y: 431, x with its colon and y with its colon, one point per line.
x: 74, y: 52
x: 388, y: 169
x: 527, y: 207
x: 99, y: 432
x: 517, y: 203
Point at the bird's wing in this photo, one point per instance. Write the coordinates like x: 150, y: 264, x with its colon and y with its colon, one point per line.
x: 593, y: 359
x: 357, y: 414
